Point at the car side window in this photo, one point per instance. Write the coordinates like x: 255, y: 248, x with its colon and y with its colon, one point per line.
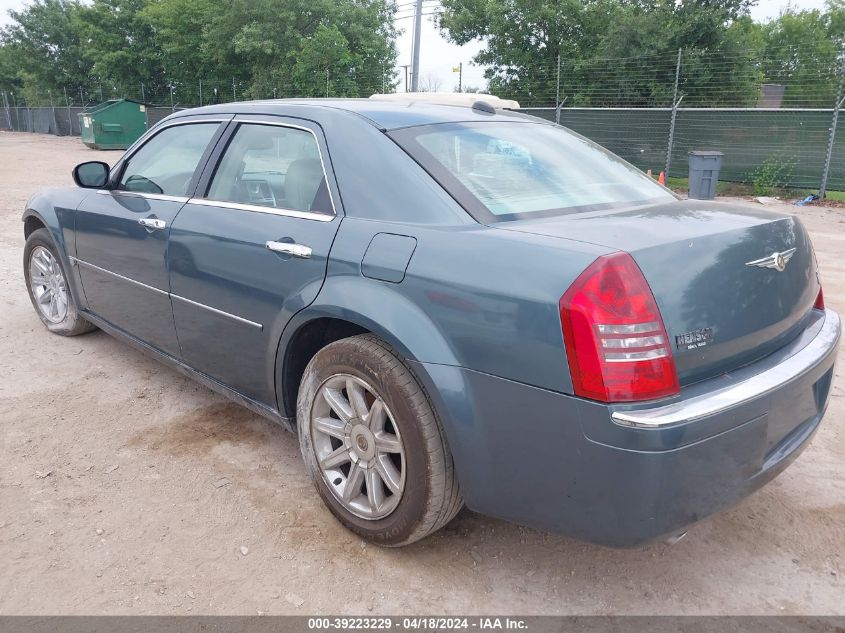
x: 166, y: 163
x: 272, y: 166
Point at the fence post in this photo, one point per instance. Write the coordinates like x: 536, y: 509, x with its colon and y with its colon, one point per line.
x: 675, y: 103
x: 200, y: 92
x: 17, y: 112
x: 69, y: 119
x: 7, y: 111
x: 234, y: 94
x: 834, y: 122
x: 557, y: 92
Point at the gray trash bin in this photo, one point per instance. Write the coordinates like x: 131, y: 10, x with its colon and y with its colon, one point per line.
x: 704, y: 166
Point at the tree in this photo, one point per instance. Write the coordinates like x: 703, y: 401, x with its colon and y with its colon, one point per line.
x: 804, y: 53
x: 430, y: 83
x: 121, y: 46
x: 264, y: 47
x: 181, y: 32
x: 43, y: 49
x: 620, y: 52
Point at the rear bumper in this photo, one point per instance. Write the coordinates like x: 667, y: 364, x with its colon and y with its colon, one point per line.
x: 624, y: 476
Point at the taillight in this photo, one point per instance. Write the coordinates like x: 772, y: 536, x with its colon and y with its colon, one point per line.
x: 616, y: 345
x: 819, y: 304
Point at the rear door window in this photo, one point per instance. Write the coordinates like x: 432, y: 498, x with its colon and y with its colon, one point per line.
x: 272, y: 166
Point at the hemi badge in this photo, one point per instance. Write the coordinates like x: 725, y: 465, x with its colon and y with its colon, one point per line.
x: 694, y: 338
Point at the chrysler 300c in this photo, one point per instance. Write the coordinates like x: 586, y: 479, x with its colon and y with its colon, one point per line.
x: 452, y: 305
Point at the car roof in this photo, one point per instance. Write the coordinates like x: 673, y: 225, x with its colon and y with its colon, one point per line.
x: 386, y: 115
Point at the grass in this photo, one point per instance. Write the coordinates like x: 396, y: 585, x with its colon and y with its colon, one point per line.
x: 724, y: 188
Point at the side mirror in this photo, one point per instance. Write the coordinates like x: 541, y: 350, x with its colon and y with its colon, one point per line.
x: 91, y: 175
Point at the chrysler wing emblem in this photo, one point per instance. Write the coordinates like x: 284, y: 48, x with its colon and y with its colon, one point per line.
x: 777, y: 261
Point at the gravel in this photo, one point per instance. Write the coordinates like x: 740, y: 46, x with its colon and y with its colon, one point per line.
x: 76, y: 408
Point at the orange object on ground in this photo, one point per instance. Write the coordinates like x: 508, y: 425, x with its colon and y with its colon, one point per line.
x: 662, y: 178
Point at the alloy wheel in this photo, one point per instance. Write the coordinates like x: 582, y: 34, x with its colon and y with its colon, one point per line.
x: 358, y: 446
x: 48, y: 285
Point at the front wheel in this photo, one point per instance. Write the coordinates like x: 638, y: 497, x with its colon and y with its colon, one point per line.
x: 372, y: 443
x: 49, y: 291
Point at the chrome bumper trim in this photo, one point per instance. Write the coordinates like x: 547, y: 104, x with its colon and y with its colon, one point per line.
x: 722, y: 400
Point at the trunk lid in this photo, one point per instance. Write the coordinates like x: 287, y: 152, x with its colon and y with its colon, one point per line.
x: 720, y: 311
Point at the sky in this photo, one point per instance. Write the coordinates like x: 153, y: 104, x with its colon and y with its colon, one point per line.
x: 438, y: 57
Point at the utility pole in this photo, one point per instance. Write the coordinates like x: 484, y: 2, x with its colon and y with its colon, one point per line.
x: 460, y: 76
x: 234, y: 94
x: 415, y: 57
x: 143, y: 96
x: 327, y: 83
x: 172, y: 106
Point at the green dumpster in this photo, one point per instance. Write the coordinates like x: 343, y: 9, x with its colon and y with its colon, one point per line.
x: 113, y: 124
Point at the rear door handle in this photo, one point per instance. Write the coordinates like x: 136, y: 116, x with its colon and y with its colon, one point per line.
x: 152, y: 223
x: 297, y: 250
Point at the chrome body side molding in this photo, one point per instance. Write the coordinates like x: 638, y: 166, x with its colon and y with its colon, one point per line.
x: 228, y: 315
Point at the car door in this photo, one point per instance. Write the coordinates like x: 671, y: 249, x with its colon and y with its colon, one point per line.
x: 122, y: 231
x: 251, y: 249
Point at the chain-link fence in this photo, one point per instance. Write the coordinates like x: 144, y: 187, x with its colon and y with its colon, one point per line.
x: 790, y: 146
x: 774, y: 114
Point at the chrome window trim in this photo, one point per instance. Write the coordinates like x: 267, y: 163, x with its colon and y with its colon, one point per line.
x: 234, y: 317
x: 158, y: 127
x: 82, y: 262
x: 293, y: 213
x: 145, y: 138
x: 222, y: 313
x: 304, y: 215
x: 140, y: 194
x: 757, y: 386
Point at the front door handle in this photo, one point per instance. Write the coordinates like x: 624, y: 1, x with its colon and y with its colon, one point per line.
x: 297, y: 250
x: 152, y: 223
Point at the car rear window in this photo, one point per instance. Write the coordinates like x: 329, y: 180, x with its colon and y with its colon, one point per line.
x: 515, y: 170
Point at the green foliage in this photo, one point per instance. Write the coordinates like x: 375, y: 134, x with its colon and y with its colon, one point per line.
x: 774, y: 172
x: 287, y: 47
x: 121, y: 45
x: 43, y: 49
x: 624, y: 52
x: 803, y: 51
x: 612, y: 52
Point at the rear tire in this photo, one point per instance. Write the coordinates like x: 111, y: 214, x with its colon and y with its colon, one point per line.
x: 49, y: 290
x: 373, y: 445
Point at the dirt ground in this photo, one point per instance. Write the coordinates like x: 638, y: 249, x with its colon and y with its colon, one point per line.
x: 111, y: 498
